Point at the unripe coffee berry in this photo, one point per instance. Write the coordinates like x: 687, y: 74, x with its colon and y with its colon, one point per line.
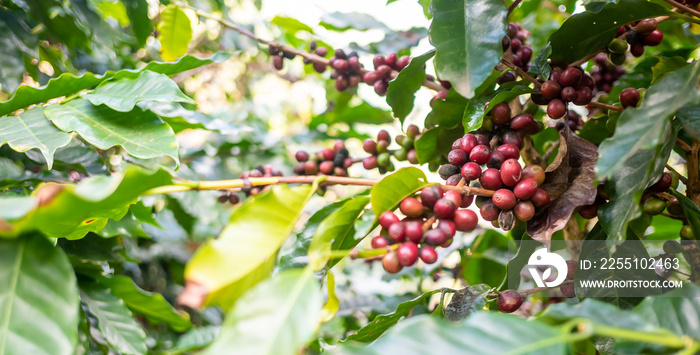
x: 391, y: 263
x: 534, y: 172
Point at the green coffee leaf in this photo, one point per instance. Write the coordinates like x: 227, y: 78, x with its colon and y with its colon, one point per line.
x: 243, y: 255
x: 141, y: 133
x: 467, y: 38
x: 122, y: 95
x: 32, y: 130
x: 39, y: 301
x: 402, y: 90
x: 389, y: 192
x: 175, y: 32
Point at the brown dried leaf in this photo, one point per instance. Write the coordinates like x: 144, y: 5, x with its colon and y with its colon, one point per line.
x: 569, y: 182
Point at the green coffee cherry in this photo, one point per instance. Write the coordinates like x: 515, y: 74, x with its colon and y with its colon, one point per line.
x: 687, y: 232
x: 617, y: 46
x: 674, y: 207
x: 407, y: 143
x: 617, y: 58
x: 401, y: 154
x: 383, y: 159
x: 654, y: 206
x: 487, y: 125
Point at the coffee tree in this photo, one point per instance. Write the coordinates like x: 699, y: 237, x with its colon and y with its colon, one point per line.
x: 164, y: 190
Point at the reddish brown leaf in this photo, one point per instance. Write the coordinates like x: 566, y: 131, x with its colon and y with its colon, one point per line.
x: 569, y: 182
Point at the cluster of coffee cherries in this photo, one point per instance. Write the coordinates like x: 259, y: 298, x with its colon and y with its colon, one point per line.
x: 278, y: 56
x: 431, y: 220
x: 643, y: 33
x: 516, y: 40
x: 257, y: 172
x: 380, y: 155
x: 383, y: 66
x: 347, y: 70
x: 229, y: 197
x: 329, y: 161
x: 516, y: 190
x: 605, y: 73
x: 319, y: 51
x: 564, y: 86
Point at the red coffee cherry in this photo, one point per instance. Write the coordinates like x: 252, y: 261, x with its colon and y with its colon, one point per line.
x: 510, y: 172
x: 556, y: 108
x: 509, y: 301
x: 489, y: 212
x: 480, y: 154
x: 550, y: 89
x: 496, y: 160
x: 491, y: 179
x: 379, y: 242
x: 513, y: 138
x: 387, y: 218
x: 381, y: 87
x: 327, y: 167
x: 467, y: 143
x: 391, y: 263
x: 301, y: 156
x: 465, y: 220
x: 504, y: 199
x: 540, y: 198
x: 430, y: 195
x: 525, y: 189
x: 448, y: 227
x: 444, y: 208
x: 370, y: 146
x: 453, y: 196
x: 397, y: 232
x: 629, y: 97
x: 407, y: 253
x: 646, y: 26
x: 467, y: 201
x: 521, y: 122
x: 501, y: 113
x: 310, y: 168
x: 654, y: 38
x: 457, y: 157
x: 471, y: 171
x: 524, y: 211
x: 568, y: 290
x: 571, y: 77
x: 411, y: 207
x: 370, y: 162
x: 482, y: 139
x: 534, y: 172
x: 571, y: 266
x: 414, y: 231
x: 509, y: 151
x: 428, y: 254
x: 663, y: 184
x: 568, y: 94
x: 435, y: 237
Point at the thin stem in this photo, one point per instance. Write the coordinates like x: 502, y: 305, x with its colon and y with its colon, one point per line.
x: 429, y: 223
x: 609, y: 107
x: 309, y: 56
x: 683, y: 145
x: 521, y: 72
x: 644, y: 337
x: 513, y: 6
x: 684, y: 8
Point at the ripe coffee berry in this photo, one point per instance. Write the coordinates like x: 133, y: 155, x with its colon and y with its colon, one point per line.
x: 663, y: 184
x: 370, y: 163
x: 301, y: 156
x: 496, y: 160
x: 509, y: 151
x: 491, y: 179
x: 471, y: 171
x: 391, y: 263
x: 588, y: 211
x: 480, y: 154
x: 489, y: 212
x: 504, y: 199
x: 568, y: 290
x: 571, y: 77
x: 444, y: 208
x: 453, y: 180
x: 379, y: 242
x: 414, y: 231
x: 501, y: 113
x: 534, y: 172
x: 387, y: 219
x: 525, y: 188
x: 509, y: 301
x: 448, y: 227
x: 521, y: 122
x: 510, y: 172
x: 540, y: 198
x: 435, y: 237
x: 411, y: 207
x: 568, y: 94
x: 550, y: 89
x: 524, y: 211
x: 513, y: 138
x: 465, y: 220
x: 556, y: 109
x: 407, y: 253
x: 654, y: 38
x: 428, y: 254
x: 467, y: 143
x: 457, y: 157
x: 453, y: 196
x: 430, y: 195
x: 397, y: 232
x: 629, y: 97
